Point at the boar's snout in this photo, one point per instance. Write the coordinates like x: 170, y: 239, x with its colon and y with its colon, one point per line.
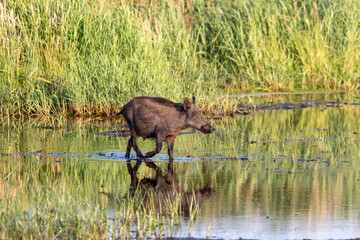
x: 207, y: 129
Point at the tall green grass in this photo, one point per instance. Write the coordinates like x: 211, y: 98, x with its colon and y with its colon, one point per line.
x: 84, y: 58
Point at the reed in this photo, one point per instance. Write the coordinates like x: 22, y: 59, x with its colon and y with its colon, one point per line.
x: 80, y: 58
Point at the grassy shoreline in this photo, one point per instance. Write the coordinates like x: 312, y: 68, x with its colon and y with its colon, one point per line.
x: 80, y: 58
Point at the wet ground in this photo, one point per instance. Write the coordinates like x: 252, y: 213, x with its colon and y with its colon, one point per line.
x: 283, y: 167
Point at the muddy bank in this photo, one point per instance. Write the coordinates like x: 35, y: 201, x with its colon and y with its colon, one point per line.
x: 116, y: 133
x: 245, y: 109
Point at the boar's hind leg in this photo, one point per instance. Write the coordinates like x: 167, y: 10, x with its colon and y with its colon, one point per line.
x: 128, y: 149
x: 132, y: 142
x: 158, y: 148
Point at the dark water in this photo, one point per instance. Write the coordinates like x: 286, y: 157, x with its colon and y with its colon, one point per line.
x: 290, y: 169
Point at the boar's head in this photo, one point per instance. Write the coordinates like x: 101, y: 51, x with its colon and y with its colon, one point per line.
x: 194, y: 118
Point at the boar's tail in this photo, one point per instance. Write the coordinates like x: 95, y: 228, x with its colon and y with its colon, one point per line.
x: 110, y: 117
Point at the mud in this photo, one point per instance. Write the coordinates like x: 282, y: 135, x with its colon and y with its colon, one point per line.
x: 244, y: 109
x: 116, y: 133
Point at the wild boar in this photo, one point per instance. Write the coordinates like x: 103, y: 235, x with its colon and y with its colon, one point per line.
x: 160, y: 118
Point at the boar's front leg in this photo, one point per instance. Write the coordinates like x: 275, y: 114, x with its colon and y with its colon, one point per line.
x: 170, y: 172
x: 170, y: 144
x: 159, y: 140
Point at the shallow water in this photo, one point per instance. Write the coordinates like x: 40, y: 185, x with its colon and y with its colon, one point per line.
x: 289, y: 169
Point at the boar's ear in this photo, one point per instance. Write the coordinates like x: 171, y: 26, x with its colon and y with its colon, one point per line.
x: 187, y: 104
x: 193, y: 98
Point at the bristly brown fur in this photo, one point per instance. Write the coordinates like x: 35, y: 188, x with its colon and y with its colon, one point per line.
x: 160, y: 118
x: 178, y: 106
x: 159, y: 100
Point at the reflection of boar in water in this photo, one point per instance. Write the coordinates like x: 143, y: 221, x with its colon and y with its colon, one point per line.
x: 159, y: 118
x: 164, y: 189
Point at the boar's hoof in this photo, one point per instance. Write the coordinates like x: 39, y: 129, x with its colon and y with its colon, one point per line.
x: 149, y: 154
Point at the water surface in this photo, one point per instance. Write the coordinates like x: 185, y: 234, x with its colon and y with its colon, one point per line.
x: 289, y: 169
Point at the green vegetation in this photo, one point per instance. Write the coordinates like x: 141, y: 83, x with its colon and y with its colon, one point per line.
x: 90, y: 57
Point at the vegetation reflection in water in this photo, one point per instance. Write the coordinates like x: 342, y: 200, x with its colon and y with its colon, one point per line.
x: 274, y: 172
